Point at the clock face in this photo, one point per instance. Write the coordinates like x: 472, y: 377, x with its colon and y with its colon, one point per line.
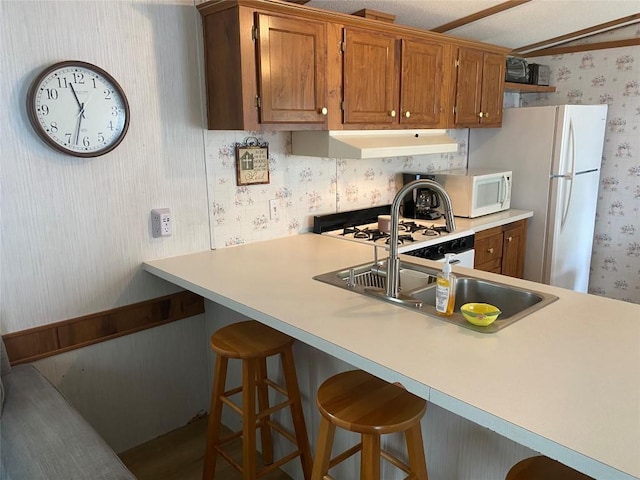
x: 78, y: 108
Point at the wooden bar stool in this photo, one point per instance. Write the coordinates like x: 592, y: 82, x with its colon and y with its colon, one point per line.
x: 543, y: 468
x: 253, y: 342
x: 361, y: 403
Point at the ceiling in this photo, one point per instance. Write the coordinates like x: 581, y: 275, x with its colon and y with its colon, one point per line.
x: 526, y: 23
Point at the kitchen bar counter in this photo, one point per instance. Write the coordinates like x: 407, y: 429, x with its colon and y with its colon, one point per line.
x: 564, y: 381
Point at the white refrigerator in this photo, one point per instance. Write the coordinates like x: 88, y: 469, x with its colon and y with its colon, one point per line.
x: 555, y: 154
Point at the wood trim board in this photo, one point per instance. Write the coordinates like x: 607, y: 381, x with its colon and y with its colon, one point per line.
x: 47, y: 340
x: 501, y: 7
x: 587, y: 47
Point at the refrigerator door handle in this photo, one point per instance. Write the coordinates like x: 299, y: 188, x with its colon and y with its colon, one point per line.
x: 567, y: 200
x: 570, y: 175
x: 572, y: 136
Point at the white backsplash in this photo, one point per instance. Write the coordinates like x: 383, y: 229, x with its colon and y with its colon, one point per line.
x: 302, y: 186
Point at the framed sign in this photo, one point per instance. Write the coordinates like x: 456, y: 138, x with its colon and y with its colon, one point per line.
x: 252, y: 162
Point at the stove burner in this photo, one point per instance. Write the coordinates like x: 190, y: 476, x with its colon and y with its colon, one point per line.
x: 402, y: 238
x: 356, y: 232
x: 409, y: 227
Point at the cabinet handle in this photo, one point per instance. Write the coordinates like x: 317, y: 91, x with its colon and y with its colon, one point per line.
x: 490, y: 250
x: 481, y: 114
x: 509, y: 239
x: 486, y: 115
x: 324, y: 111
x: 392, y: 113
x: 407, y: 114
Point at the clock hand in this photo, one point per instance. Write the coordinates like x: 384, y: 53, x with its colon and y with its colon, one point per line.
x: 80, y: 117
x: 75, y: 95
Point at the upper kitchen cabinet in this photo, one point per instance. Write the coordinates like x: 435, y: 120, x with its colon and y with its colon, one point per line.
x: 479, y: 88
x: 370, y: 82
x: 391, y: 81
x: 282, y: 66
x: 263, y: 69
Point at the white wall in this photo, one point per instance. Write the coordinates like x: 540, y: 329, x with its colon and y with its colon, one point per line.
x: 75, y: 231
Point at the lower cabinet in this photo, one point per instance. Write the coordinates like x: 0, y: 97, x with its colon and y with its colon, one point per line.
x: 502, y: 249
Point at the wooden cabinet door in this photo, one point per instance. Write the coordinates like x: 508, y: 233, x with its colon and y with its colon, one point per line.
x: 468, y: 86
x: 370, y: 92
x: 513, y: 249
x: 492, y: 89
x: 488, y: 246
x: 291, y: 64
x: 422, y: 84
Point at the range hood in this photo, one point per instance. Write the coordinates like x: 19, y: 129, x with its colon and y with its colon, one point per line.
x: 371, y: 143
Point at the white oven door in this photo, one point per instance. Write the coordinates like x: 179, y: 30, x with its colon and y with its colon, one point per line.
x: 463, y: 259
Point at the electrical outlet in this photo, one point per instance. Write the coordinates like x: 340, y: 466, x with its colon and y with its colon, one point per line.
x: 161, y: 222
x: 274, y: 209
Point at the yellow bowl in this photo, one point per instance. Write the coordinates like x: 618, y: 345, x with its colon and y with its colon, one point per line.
x: 480, y: 314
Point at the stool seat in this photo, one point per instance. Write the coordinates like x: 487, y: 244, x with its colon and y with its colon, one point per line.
x: 543, y: 468
x: 250, y: 339
x: 359, y: 402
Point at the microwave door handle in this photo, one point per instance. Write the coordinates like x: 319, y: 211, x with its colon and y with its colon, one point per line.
x: 507, y: 190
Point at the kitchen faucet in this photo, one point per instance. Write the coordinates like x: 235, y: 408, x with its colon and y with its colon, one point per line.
x: 393, y: 264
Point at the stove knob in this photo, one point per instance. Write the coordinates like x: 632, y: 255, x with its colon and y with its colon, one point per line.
x: 463, y: 243
x: 441, y: 250
x: 454, y: 245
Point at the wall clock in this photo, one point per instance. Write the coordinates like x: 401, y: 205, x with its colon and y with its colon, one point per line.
x: 78, y: 109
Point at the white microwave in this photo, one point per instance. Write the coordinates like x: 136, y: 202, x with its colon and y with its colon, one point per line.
x: 476, y: 192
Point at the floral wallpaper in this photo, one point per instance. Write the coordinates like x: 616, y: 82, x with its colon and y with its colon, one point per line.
x: 301, y: 186
x: 610, y: 76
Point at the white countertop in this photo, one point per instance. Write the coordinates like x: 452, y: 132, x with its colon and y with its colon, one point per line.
x: 564, y: 381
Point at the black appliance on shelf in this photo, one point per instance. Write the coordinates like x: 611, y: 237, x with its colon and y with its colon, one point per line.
x: 421, y: 203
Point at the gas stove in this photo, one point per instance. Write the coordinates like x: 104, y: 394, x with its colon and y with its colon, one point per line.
x: 421, y: 238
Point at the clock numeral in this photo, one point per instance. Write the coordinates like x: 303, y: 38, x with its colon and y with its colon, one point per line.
x: 86, y: 142
x: 94, y: 83
x: 52, y: 93
x: 53, y: 126
x: 62, y: 82
x: 110, y: 126
x: 68, y: 137
x: 114, y: 111
x: 78, y: 77
x: 44, y: 109
x: 107, y: 95
x: 100, y: 137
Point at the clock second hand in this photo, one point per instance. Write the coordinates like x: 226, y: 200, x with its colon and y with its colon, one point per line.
x: 80, y: 117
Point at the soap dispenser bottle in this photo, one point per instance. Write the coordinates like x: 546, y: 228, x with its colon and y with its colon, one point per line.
x: 446, y: 289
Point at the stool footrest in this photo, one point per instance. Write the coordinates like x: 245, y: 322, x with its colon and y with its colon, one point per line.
x: 344, y: 455
x: 396, y: 461
x: 276, y: 387
x: 268, y: 468
x: 282, y: 431
x: 278, y: 464
x: 273, y: 409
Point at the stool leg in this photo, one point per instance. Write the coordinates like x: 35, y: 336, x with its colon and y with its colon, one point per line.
x: 249, y: 468
x: 263, y: 402
x: 415, y: 450
x: 370, y: 457
x: 291, y: 379
x: 215, y: 416
x: 323, y: 449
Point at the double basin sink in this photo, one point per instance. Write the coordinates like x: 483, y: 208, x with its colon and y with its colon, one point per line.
x: 418, y: 292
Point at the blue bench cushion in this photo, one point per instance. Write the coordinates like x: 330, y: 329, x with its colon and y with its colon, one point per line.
x: 44, y: 438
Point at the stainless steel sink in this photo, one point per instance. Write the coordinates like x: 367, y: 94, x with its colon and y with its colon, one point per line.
x: 417, y: 285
